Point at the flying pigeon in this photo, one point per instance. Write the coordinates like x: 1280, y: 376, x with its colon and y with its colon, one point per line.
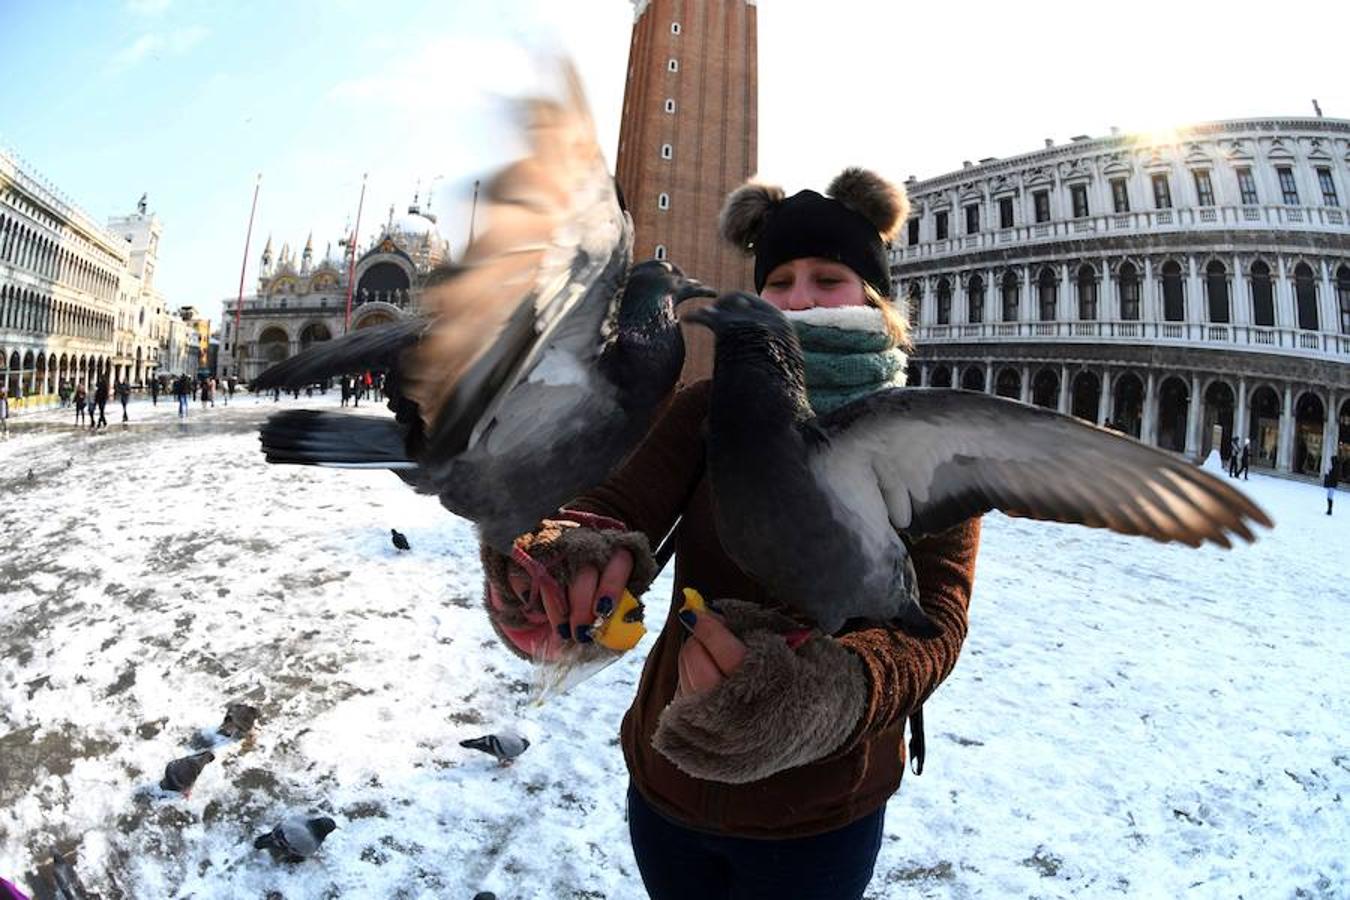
x: 505, y: 745
x: 296, y: 839
x: 535, y: 366
x: 181, y: 773
x: 239, y: 720
x: 819, y: 509
x: 400, y: 540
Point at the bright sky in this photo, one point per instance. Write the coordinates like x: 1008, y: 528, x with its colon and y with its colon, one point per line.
x: 187, y: 100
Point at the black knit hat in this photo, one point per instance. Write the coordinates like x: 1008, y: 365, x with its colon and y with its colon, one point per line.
x: 851, y: 225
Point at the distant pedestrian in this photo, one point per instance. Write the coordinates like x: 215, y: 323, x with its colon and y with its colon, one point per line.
x: 81, y: 396
x: 1330, y: 482
x: 181, y: 391
x: 4, y: 411
x: 154, y: 391
x: 123, y: 395
x: 211, y: 384
x: 346, y: 391
x: 1234, y: 452
x: 1246, y: 458
x: 101, y: 400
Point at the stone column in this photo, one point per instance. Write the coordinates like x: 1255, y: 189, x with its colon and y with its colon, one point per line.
x: 1285, y: 454
x: 1194, y: 308
x: 1193, y: 419
x: 1285, y: 316
x: 1330, y: 431
x: 1241, y: 304
x: 1026, y: 384
x: 923, y: 376
x: 1028, y: 299
x: 1064, y: 389
x: 1239, y: 416
x: 1149, y: 295
x: 1065, y: 296
x: 1148, y: 427
x: 1104, y: 403
x: 1107, y: 309
x: 1328, y: 317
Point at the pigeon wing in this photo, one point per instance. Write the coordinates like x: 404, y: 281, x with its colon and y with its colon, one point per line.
x: 942, y: 456
x: 555, y: 238
x: 376, y: 348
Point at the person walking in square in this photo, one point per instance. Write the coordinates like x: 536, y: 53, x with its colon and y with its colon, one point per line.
x: 1330, y: 481
x: 101, y: 401
x: 1246, y: 458
x: 180, y: 392
x: 4, y: 410
x: 154, y: 391
x: 81, y: 395
x: 123, y: 395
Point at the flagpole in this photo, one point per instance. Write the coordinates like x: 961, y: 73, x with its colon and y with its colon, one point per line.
x: 351, y: 261
x: 473, y: 211
x: 238, y: 303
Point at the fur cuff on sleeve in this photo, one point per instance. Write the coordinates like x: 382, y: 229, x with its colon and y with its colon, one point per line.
x: 782, y: 708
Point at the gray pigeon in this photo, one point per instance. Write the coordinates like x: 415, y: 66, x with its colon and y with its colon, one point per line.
x: 400, y: 539
x: 536, y: 365
x: 66, y: 884
x: 505, y: 746
x: 296, y: 839
x: 819, y: 509
x: 239, y: 720
x: 181, y: 774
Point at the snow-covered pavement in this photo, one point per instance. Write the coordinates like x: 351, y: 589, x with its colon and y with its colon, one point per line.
x: 1127, y: 719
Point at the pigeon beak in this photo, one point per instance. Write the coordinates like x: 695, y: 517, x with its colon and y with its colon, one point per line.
x: 693, y: 290
x: 707, y: 317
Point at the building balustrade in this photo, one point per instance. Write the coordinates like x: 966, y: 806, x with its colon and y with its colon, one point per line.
x: 1227, y: 336
x: 1189, y: 219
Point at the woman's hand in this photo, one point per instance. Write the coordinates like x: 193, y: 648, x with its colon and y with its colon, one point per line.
x: 572, y: 608
x: 709, y: 654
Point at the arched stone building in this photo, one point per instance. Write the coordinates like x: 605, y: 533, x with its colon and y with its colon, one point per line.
x: 299, y: 305
x: 1164, y: 284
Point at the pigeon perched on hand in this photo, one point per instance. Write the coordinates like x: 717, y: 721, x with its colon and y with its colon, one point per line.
x: 536, y: 365
x: 181, y: 774
x: 239, y: 720
x: 400, y: 541
x: 819, y: 509
x: 296, y: 839
x: 505, y: 746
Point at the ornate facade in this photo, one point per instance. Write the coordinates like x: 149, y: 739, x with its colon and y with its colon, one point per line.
x: 300, y: 303
x: 1174, y: 286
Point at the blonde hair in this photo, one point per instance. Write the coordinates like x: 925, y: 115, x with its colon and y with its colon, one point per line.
x: 897, y: 326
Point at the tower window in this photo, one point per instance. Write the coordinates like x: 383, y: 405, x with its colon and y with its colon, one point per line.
x: 1041, y: 199
x: 1120, y: 195
x: 660, y: 251
x: 674, y: 27
x: 1328, y: 186
x: 663, y: 201
x: 1287, y: 186
x: 673, y: 65
x: 670, y: 105
x: 1204, y: 191
x: 913, y: 231
x: 1080, y: 201
x: 940, y: 221
x: 667, y: 151
x: 1247, y: 186
x: 1162, y: 193
x: 1005, y: 212
x: 972, y: 218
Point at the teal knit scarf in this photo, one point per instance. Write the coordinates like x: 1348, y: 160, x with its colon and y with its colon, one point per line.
x: 848, y: 354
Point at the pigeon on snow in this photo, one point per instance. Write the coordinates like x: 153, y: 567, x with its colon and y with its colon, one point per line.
x: 400, y: 540
x: 296, y: 839
x: 504, y: 745
x: 181, y: 774
x: 819, y: 509
x: 66, y: 884
x: 535, y: 366
x: 239, y: 720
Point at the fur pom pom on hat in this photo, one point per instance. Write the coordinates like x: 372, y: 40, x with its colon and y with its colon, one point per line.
x: 851, y: 225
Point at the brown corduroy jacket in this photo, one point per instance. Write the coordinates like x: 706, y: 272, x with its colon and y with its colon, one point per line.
x: 649, y: 493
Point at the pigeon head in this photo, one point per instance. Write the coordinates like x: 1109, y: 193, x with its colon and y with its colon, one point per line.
x: 322, y: 827
x: 756, y: 346
x: 654, y: 289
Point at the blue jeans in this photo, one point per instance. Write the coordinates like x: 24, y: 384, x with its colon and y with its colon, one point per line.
x: 678, y: 863
x: 183, y: 405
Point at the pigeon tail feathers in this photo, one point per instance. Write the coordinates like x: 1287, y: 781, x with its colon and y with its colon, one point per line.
x: 310, y: 438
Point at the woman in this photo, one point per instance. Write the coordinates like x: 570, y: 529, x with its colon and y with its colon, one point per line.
x: 759, y: 767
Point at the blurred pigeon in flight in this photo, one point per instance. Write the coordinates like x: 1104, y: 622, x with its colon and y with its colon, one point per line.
x: 181, y: 774
x: 504, y: 745
x: 536, y: 365
x: 819, y: 509
x: 239, y: 720
x: 296, y: 839
x: 399, y: 539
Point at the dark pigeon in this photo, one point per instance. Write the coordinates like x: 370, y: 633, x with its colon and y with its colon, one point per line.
x: 66, y: 884
x: 181, y: 774
x: 239, y: 720
x: 296, y: 839
x: 819, y: 509
x: 536, y: 365
x: 399, y: 539
x: 504, y: 746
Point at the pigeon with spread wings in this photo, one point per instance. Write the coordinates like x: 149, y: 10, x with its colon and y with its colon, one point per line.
x: 819, y: 509
x: 536, y: 364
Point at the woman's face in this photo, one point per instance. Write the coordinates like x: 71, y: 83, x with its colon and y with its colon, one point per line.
x: 811, y: 281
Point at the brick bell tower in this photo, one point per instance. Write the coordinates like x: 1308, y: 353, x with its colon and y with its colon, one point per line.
x: 688, y: 137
